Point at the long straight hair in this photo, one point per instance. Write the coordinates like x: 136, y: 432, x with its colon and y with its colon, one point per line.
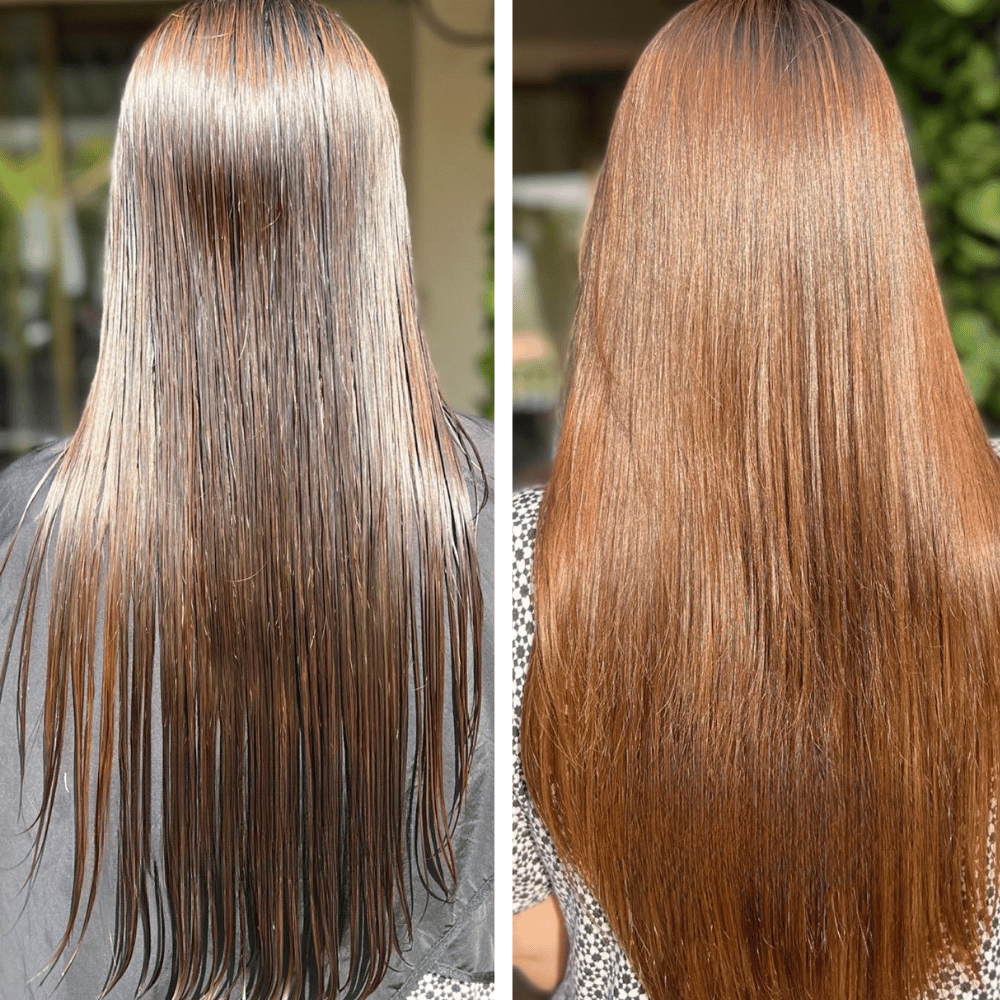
x: 761, y: 715
x: 265, y: 521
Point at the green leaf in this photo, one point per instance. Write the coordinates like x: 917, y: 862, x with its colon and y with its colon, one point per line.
x: 979, y: 376
x: 979, y: 208
x: 953, y: 171
x: 977, y: 146
x: 962, y: 8
x: 91, y: 151
x: 8, y: 179
x: 19, y: 181
x: 992, y: 404
x: 987, y: 95
x: 991, y: 298
x: 975, y: 139
x: 980, y: 65
x: 959, y: 292
x: 978, y: 348
x: 930, y: 128
x: 976, y: 253
x: 943, y: 247
x: 933, y: 194
x: 973, y: 333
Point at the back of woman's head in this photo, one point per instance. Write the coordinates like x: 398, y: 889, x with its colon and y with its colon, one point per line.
x: 761, y: 715
x: 262, y: 529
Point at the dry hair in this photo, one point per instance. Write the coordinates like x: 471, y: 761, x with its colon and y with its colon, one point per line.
x: 761, y: 716
x: 265, y: 523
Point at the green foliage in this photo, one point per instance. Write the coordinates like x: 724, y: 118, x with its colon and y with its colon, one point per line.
x: 21, y: 179
x: 978, y: 348
x: 979, y: 208
x: 962, y: 7
x: 944, y: 61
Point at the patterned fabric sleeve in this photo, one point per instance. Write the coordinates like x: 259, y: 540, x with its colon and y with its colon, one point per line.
x: 531, y: 880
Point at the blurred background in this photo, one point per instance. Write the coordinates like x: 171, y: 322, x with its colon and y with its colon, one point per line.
x: 571, y: 60
x: 62, y: 70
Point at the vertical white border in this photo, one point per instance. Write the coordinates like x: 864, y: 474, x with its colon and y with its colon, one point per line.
x: 503, y: 166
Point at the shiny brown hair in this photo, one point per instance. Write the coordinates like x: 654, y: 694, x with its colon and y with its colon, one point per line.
x: 761, y: 715
x: 262, y: 531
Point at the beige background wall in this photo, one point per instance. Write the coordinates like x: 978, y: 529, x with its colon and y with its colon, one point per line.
x: 451, y: 187
x: 441, y: 93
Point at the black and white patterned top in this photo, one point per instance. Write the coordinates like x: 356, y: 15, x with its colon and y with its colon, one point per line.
x: 435, y: 987
x: 598, y: 969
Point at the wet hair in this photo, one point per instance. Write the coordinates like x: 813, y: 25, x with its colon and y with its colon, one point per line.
x: 264, y: 523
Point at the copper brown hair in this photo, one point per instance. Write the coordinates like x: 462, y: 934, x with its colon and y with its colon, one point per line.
x: 265, y: 522
x: 761, y: 715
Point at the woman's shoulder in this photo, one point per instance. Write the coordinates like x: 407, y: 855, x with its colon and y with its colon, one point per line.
x: 21, y: 479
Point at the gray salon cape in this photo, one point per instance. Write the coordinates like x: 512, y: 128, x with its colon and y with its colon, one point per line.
x: 450, y: 938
